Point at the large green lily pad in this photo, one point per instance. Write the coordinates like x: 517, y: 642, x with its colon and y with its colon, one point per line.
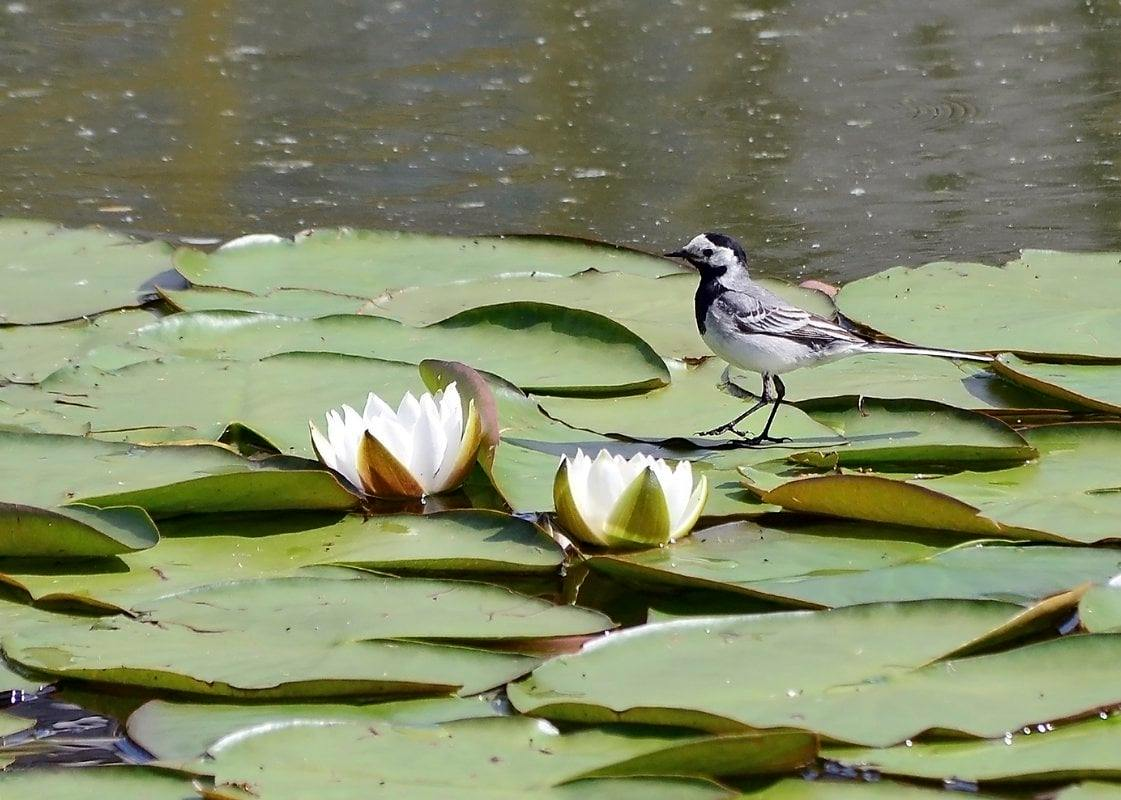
x: 118, y: 782
x: 1045, y: 302
x: 199, y: 399
x: 177, y: 731
x: 201, y: 550
x: 31, y: 353
x: 372, y: 607
x: 45, y: 470
x: 286, y: 302
x: 692, y: 402
x: 539, y: 347
x: 226, y: 660
x: 511, y: 757
x: 872, y: 675
x: 838, y: 564
x: 367, y: 263
x: 1100, y: 608
x: 1042, y: 752
x: 1091, y: 386
x: 74, y: 531
x: 52, y: 274
x: 1068, y: 494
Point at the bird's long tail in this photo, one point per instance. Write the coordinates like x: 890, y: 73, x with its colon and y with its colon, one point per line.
x: 908, y: 350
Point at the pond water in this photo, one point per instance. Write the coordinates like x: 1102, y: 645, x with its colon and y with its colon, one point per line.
x: 836, y: 139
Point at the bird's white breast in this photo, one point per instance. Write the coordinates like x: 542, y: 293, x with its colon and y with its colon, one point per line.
x: 755, y: 352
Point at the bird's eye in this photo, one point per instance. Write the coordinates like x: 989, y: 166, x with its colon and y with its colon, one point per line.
x: 707, y: 252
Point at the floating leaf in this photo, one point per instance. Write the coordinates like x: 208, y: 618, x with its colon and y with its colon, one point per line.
x: 1045, y: 302
x: 588, y: 353
x: 1100, y: 609
x: 31, y: 353
x: 798, y: 789
x: 53, y: 274
x: 1092, y: 386
x: 201, y: 550
x: 185, y: 731
x: 118, y: 782
x: 1043, y: 752
x: 838, y: 564
x: 368, y: 263
x: 1068, y: 494
x: 508, y: 757
x: 74, y: 531
x: 872, y: 674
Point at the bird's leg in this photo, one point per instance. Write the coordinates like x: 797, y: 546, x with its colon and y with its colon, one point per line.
x: 765, y: 436
x: 764, y: 400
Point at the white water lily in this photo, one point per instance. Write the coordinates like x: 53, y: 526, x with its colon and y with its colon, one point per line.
x: 616, y: 502
x: 427, y: 446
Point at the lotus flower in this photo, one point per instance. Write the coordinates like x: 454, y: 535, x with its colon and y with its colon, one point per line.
x: 426, y: 446
x: 615, y: 502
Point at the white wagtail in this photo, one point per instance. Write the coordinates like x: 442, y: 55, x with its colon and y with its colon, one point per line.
x: 755, y: 329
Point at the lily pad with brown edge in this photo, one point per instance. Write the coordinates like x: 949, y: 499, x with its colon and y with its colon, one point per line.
x: 1063, y: 305
x: 833, y: 564
x: 224, y: 659
x: 872, y: 674
x: 904, y: 432
x: 692, y: 402
x: 118, y: 782
x: 1046, y: 751
x: 181, y: 731
x: 207, y: 549
x: 1068, y: 494
x: 1092, y: 386
x: 366, y: 263
x: 52, y: 274
x: 506, y: 757
x: 659, y: 309
x: 48, y: 470
x: 588, y: 354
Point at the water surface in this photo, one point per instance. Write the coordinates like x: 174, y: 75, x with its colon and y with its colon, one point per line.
x: 836, y: 139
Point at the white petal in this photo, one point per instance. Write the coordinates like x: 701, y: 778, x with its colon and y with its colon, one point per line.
x: 685, y: 522
x: 451, y: 413
x: 408, y: 412
x: 429, y: 444
x: 252, y: 239
x: 605, y: 485
x: 393, y: 437
x: 345, y: 432
x: 677, y: 484
x: 578, y: 468
x: 454, y: 432
x: 376, y: 407
x: 324, y: 448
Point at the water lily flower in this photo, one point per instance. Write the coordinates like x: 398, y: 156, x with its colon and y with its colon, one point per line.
x: 616, y: 502
x: 427, y: 446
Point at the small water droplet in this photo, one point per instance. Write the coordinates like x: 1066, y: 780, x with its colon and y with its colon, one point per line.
x: 909, y: 743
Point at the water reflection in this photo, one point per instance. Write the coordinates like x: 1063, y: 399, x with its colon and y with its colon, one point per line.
x: 835, y: 139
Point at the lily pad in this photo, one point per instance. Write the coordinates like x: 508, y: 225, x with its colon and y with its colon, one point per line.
x: 839, y: 564
x: 660, y: 309
x: 45, y: 470
x: 73, y: 531
x: 1043, y: 752
x: 367, y: 263
x: 586, y: 353
x: 31, y: 353
x: 201, y: 550
x: 118, y: 782
x: 1045, y: 302
x: 199, y: 399
x: 1092, y: 386
x: 1100, y: 609
x: 692, y: 402
x: 372, y: 607
x: 873, y: 675
x: 176, y: 731
x: 796, y: 789
x: 51, y: 274
x: 1068, y: 494
x: 882, y: 432
x: 511, y: 757
x: 228, y: 660
x: 286, y: 302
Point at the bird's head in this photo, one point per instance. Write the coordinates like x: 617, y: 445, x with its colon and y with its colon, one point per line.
x: 713, y: 254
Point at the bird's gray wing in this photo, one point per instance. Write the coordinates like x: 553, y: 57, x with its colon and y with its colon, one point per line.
x: 770, y: 316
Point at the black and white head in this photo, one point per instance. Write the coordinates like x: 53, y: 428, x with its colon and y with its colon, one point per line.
x: 713, y: 254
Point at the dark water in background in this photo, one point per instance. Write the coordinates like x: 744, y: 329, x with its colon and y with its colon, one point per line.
x: 835, y: 138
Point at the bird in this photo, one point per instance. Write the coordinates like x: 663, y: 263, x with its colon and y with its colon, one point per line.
x: 752, y: 328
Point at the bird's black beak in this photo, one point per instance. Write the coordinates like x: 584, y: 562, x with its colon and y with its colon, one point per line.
x: 676, y: 254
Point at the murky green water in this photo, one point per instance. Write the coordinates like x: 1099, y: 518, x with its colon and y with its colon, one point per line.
x: 835, y: 138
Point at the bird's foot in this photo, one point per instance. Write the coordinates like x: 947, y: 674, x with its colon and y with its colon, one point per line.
x: 754, y: 441
x: 718, y: 430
